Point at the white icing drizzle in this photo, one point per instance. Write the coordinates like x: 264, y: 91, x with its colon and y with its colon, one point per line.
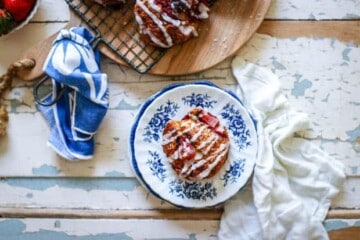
x: 186, y: 2
x: 214, y: 158
x: 203, y: 148
x: 222, y: 152
x: 154, y: 6
x: 182, y: 26
x: 211, y: 144
x: 186, y: 30
x: 159, y: 23
x: 175, y: 22
x: 170, y: 136
x: 204, y: 11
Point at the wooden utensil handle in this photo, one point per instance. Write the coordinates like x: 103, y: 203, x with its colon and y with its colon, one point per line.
x: 38, y: 53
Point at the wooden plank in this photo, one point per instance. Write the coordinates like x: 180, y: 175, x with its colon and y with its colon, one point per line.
x: 181, y: 59
x: 348, y: 197
x: 347, y: 31
x: 346, y: 233
x: 324, y: 86
x: 343, y: 214
x: 92, y: 229
x: 169, y: 214
x: 319, y: 10
x: 340, y: 229
x: 280, y: 9
x: 109, y: 193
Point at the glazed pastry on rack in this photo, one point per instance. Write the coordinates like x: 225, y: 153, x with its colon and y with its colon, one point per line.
x: 107, y: 3
x: 164, y: 23
x: 197, y: 146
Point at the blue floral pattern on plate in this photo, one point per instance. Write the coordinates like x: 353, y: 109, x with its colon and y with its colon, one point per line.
x: 234, y: 172
x: 199, y: 100
x: 192, y: 190
x: 152, y: 167
x: 236, y: 125
x: 157, y: 123
x: 156, y: 166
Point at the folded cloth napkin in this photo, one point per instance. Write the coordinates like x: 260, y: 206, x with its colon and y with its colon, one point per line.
x: 293, y: 181
x: 74, y: 119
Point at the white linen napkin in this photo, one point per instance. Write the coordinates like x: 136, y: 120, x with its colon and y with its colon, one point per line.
x: 294, y: 180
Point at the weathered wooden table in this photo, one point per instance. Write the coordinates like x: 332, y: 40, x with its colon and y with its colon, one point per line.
x: 313, y: 46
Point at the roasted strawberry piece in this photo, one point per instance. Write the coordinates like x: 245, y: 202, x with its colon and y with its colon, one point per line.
x: 209, y: 119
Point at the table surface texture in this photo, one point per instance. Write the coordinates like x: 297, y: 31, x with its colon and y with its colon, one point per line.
x: 312, y: 47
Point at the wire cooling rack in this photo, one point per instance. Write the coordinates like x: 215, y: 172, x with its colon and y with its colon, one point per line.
x: 116, y: 28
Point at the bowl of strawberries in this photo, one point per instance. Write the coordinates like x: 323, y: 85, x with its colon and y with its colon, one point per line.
x: 14, y: 14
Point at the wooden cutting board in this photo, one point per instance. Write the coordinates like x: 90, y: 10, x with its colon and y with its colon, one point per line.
x: 230, y: 26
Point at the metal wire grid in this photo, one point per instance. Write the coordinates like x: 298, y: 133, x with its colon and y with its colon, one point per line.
x: 117, y: 29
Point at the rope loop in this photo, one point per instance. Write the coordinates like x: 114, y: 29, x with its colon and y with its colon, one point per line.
x: 5, y: 83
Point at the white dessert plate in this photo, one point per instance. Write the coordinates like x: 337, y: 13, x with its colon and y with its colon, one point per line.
x: 151, y: 165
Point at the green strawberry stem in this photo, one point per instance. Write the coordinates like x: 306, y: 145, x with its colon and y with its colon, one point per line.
x: 7, y: 22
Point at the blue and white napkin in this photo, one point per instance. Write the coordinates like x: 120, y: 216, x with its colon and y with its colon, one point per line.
x: 74, y: 119
x: 294, y: 180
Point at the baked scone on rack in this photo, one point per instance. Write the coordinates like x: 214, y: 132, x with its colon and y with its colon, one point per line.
x: 165, y: 23
x: 197, y: 146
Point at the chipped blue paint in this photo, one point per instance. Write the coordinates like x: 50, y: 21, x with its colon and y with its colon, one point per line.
x: 15, y: 230
x: 300, y: 87
x: 29, y: 195
x: 116, y: 139
x: 352, y: 16
x: 14, y: 104
x: 57, y: 224
x: 326, y: 99
x: 86, y: 184
x: 123, y: 105
x: 277, y: 65
x: 354, y: 134
x: 192, y: 236
x: 9, y: 227
x: 355, y: 103
x: 312, y: 16
x: 345, y: 54
x: 46, y: 170
x: 332, y: 42
x: 354, y: 170
x: 114, y: 174
x: 335, y: 225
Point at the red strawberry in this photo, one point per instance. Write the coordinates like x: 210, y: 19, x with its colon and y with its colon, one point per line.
x: 209, y: 119
x: 19, y: 9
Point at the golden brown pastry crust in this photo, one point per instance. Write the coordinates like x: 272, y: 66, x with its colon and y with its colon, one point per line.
x: 197, y: 146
